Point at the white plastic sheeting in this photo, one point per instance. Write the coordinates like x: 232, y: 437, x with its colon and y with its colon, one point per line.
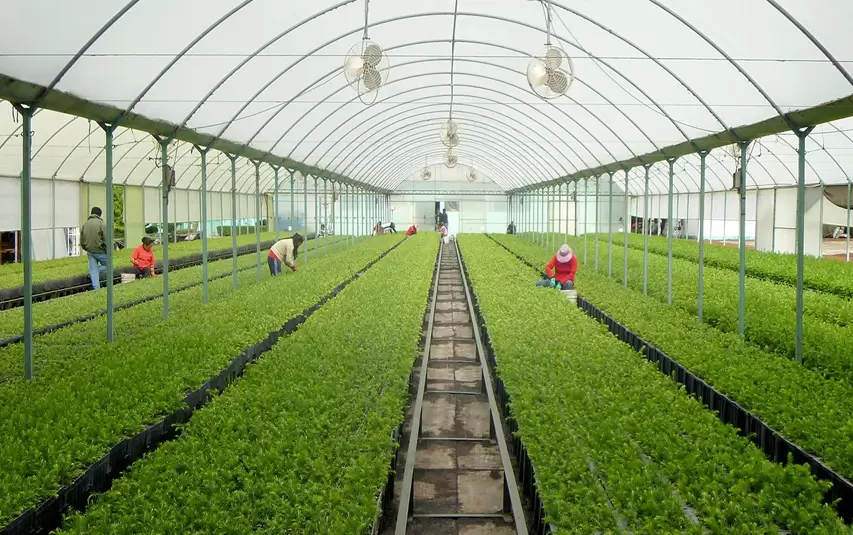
x: 267, y: 74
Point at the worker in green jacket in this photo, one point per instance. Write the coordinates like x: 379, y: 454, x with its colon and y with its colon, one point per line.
x: 93, y: 240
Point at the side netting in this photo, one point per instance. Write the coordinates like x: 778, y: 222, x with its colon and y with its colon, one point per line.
x: 617, y: 445
x: 302, y: 442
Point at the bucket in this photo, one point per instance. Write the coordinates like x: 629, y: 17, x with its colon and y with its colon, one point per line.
x: 127, y: 277
x: 571, y: 295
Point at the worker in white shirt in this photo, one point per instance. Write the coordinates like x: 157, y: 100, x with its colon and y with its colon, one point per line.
x: 284, y: 251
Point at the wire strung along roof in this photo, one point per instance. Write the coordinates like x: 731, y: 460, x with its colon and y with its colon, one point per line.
x: 650, y: 80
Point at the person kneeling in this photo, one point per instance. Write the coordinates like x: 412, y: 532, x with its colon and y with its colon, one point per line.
x: 284, y: 251
x: 561, y: 270
x: 143, y: 259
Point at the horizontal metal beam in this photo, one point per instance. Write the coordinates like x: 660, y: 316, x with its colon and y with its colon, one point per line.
x: 824, y: 113
x: 17, y: 91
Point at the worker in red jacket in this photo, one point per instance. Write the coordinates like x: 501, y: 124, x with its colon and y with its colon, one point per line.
x: 412, y: 231
x: 143, y: 259
x: 561, y: 270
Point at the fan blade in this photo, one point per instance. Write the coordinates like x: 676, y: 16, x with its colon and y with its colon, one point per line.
x: 372, y: 55
x: 558, y: 82
x: 450, y: 128
x: 371, y: 78
x: 553, y: 58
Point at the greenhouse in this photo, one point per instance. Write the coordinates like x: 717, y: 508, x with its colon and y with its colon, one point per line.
x: 448, y: 267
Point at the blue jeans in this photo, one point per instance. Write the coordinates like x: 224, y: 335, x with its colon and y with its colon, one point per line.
x: 97, y: 265
x: 275, y: 266
x: 569, y: 285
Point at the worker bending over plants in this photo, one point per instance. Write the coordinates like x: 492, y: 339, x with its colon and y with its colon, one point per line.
x: 412, y: 231
x: 561, y: 270
x: 286, y: 251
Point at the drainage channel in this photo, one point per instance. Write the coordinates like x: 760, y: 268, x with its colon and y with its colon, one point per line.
x: 458, y: 476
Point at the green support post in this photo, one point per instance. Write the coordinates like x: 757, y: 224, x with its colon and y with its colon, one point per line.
x: 596, y: 227
x: 316, y: 213
x: 646, y: 230
x: 275, y: 200
x: 233, y: 159
x: 257, y: 221
x: 669, y: 226
x: 820, y: 227
x: 610, y: 228
x: 165, y: 188
x: 801, y: 235
x: 27, y: 234
x: 109, y: 130
x: 305, y: 212
x: 576, y: 218
x: 292, y: 203
x: 741, y: 320
x: 627, y: 228
x: 585, y: 218
x: 703, y: 155
x: 325, y: 216
x: 773, y: 235
x: 204, y: 254
x: 847, y: 230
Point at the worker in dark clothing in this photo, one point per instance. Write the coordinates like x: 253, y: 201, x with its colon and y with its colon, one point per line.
x: 442, y: 218
x: 510, y: 229
x: 391, y: 228
x: 561, y: 270
x: 93, y: 240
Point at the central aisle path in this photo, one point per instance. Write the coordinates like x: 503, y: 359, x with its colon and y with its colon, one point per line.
x: 457, y: 479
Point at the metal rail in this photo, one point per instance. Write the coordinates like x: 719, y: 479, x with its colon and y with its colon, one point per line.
x: 512, y: 502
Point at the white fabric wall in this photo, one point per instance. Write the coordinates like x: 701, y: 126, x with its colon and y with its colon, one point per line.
x: 46, y: 214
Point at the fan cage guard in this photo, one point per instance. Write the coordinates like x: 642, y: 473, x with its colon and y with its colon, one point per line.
x: 366, y: 69
x: 551, y: 72
x: 450, y: 160
x: 449, y: 133
x: 426, y: 174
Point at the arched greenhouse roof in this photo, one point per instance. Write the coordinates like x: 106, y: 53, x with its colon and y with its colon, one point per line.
x: 264, y: 80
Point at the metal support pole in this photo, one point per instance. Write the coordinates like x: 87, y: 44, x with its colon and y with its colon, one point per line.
x: 258, y: 221
x: 627, y: 229
x: 725, y: 215
x: 292, y: 204
x: 585, y: 217
x: 275, y: 201
x: 164, y: 158
x: 325, y: 216
x: 347, y: 203
x: 669, y: 233
x: 305, y: 212
x: 742, y: 231
x: 801, y: 235
x: 233, y: 220
x: 820, y: 227
x: 773, y: 236
x: 847, y: 230
x: 316, y: 212
x: 110, y: 229
x: 646, y: 230
x: 702, y: 169
x: 610, y: 229
x: 577, y: 218
x: 27, y: 234
x: 204, y: 275
x: 597, y: 213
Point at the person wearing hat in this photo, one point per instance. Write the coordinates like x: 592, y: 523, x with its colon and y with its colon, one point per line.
x: 284, y: 251
x: 143, y: 259
x: 561, y: 270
